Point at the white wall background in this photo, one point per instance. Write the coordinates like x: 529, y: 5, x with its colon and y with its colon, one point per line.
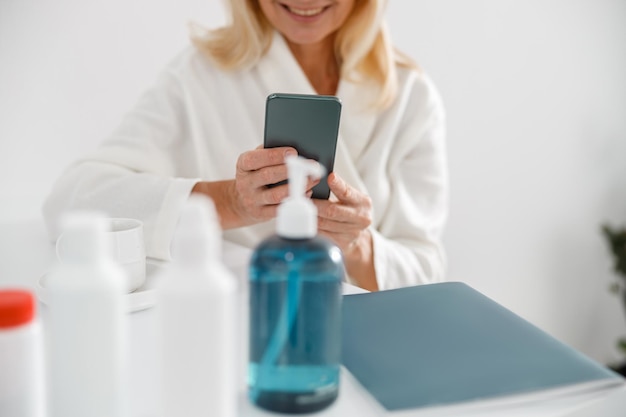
x: 536, y: 98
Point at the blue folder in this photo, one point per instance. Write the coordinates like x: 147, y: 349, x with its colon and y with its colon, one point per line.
x: 447, y: 343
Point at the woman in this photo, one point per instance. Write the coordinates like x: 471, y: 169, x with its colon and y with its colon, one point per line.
x: 199, y: 130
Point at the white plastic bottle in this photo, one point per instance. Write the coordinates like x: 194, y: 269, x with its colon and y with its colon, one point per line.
x: 197, y: 320
x: 21, y: 356
x: 86, y: 326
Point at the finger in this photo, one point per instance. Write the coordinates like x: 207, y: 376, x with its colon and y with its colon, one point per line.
x: 341, y: 212
x: 273, y: 195
x: 311, y: 183
x: 342, y: 190
x: 260, y: 158
x: 267, y: 176
x: 335, y: 211
x: 339, y: 227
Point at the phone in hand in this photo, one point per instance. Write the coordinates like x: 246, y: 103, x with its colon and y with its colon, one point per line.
x: 308, y: 123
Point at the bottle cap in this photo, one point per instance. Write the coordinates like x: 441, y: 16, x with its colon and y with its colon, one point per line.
x: 83, y: 238
x: 17, y: 307
x: 297, y: 215
x: 198, y: 235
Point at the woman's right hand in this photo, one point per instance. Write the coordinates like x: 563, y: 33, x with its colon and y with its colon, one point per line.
x: 247, y: 199
x: 253, y: 200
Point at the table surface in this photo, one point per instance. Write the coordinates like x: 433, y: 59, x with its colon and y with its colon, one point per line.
x: 26, y: 254
x: 354, y: 400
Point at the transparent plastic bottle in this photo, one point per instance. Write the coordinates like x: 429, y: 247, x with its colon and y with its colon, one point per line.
x: 295, y: 310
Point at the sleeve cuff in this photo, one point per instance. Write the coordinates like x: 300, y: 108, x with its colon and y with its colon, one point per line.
x: 177, y: 194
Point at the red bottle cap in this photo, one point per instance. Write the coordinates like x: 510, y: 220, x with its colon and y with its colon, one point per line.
x: 17, y: 307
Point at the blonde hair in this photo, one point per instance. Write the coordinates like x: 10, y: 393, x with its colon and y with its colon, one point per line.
x: 362, y: 45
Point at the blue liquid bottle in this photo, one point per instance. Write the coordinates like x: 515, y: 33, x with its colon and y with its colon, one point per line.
x: 295, y: 307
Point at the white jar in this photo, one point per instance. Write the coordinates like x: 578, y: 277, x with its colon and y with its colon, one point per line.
x: 21, y: 356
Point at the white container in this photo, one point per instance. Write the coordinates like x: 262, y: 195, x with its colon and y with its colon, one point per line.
x: 21, y: 356
x: 197, y: 321
x: 85, y: 325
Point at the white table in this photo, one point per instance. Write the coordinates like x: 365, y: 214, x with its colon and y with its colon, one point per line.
x: 26, y: 253
x: 353, y: 399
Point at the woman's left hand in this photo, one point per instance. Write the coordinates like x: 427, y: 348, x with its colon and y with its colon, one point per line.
x: 346, y: 223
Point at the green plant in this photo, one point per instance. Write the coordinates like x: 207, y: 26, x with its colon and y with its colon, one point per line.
x: 617, y: 242
x: 616, y: 239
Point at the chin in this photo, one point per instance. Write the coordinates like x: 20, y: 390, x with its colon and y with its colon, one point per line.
x: 304, y: 37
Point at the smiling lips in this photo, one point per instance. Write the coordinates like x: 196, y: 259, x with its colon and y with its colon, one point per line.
x: 304, y: 12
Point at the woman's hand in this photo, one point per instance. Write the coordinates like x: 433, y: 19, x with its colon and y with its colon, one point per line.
x: 253, y: 200
x: 346, y: 223
x: 247, y: 199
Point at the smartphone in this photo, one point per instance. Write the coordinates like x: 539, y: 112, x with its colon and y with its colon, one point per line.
x: 308, y: 123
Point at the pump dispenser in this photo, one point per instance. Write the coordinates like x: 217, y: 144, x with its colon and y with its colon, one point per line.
x: 297, y: 215
x: 197, y: 320
x: 295, y: 307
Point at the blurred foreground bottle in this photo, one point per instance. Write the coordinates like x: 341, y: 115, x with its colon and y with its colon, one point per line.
x: 295, y: 308
x: 85, y: 325
x: 21, y: 356
x: 197, y: 320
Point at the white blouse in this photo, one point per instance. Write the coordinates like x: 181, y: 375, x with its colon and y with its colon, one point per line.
x: 197, y: 119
